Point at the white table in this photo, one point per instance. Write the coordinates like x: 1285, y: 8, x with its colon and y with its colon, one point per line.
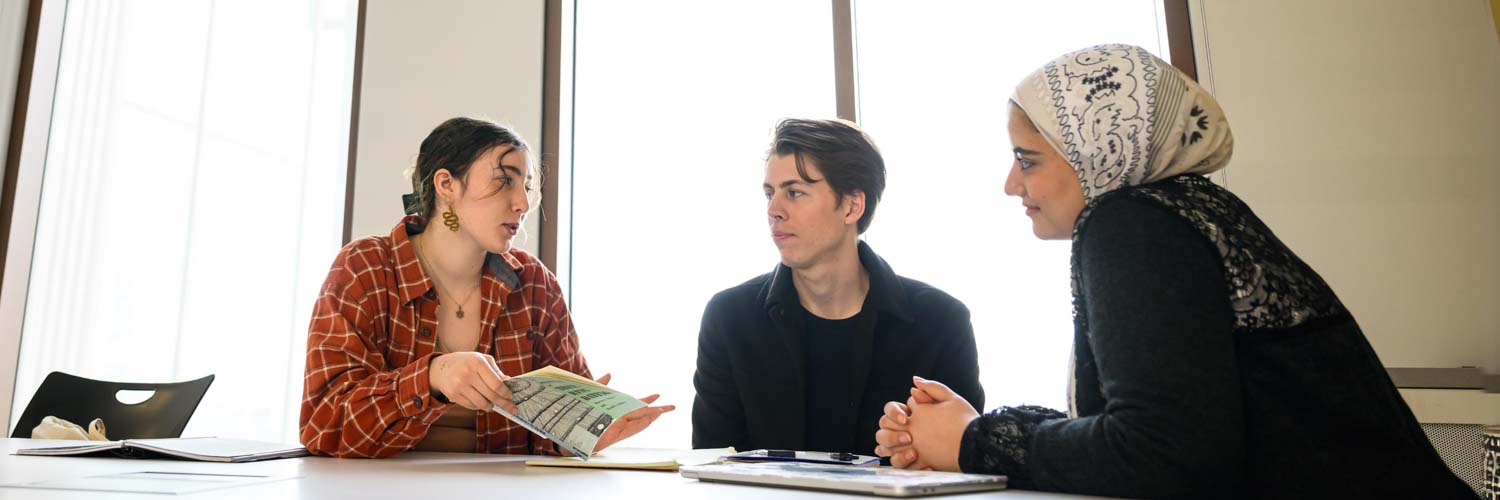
x: 410, y: 476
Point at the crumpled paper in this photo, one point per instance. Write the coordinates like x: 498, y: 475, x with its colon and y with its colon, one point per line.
x: 56, y: 428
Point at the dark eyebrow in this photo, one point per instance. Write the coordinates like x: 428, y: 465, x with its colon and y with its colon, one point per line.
x: 501, y: 166
x: 789, y: 183
x: 1026, y: 152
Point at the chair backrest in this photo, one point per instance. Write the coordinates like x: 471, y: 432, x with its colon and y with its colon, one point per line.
x: 81, y: 400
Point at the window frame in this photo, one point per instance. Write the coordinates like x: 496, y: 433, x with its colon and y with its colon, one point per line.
x: 557, y: 106
x: 20, y: 187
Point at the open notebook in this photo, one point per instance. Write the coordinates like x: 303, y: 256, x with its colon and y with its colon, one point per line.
x: 205, y: 449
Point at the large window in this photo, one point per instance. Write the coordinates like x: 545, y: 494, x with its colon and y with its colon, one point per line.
x: 933, y: 88
x: 192, y: 197
x: 673, y: 108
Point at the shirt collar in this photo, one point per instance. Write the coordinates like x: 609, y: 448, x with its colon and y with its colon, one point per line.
x: 412, y: 280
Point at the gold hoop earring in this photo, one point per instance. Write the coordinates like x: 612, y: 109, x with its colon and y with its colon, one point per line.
x: 450, y: 220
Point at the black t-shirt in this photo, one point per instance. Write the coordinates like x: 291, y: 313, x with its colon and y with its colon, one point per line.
x: 828, y: 345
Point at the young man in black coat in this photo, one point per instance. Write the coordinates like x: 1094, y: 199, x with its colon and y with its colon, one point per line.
x: 804, y: 357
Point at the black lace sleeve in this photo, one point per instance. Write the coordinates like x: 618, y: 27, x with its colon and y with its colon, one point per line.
x: 996, y: 443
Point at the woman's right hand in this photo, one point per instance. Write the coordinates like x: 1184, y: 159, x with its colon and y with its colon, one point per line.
x: 894, y: 439
x: 471, y: 380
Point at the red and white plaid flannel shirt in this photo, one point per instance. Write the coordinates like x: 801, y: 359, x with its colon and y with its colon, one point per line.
x: 374, y: 331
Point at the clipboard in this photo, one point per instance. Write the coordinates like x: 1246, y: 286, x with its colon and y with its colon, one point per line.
x: 811, y: 457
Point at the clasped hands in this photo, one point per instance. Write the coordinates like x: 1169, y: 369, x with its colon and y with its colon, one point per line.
x: 925, y: 432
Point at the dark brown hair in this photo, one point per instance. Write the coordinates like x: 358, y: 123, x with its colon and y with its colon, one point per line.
x: 846, y: 156
x: 1029, y: 124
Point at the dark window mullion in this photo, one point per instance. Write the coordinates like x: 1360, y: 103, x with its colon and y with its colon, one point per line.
x: 845, y: 80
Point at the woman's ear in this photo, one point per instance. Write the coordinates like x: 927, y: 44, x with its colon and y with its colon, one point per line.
x: 445, y: 187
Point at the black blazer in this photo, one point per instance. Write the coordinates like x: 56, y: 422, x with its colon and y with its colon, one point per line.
x: 750, y: 378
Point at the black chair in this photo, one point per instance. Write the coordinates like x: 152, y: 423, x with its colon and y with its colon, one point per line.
x: 80, y: 400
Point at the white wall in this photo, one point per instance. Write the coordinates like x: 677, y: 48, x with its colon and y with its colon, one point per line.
x: 425, y: 62
x: 1367, y: 136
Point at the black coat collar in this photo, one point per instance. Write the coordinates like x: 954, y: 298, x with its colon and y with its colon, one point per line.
x: 886, y: 292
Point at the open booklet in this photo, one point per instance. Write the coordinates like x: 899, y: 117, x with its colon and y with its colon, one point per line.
x: 205, y: 449
x: 570, y: 410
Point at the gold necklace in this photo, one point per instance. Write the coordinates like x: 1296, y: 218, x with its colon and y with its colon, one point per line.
x: 460, y: 312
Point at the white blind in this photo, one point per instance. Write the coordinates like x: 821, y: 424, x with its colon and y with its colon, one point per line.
x: 192, y: 200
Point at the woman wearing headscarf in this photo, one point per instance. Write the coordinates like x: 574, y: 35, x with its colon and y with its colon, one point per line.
x: 1208, y: 359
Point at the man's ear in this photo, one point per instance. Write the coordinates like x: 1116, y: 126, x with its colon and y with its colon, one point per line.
x: 854, y: 207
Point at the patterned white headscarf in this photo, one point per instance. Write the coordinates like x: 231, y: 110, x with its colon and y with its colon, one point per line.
x: 1123, y: 117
